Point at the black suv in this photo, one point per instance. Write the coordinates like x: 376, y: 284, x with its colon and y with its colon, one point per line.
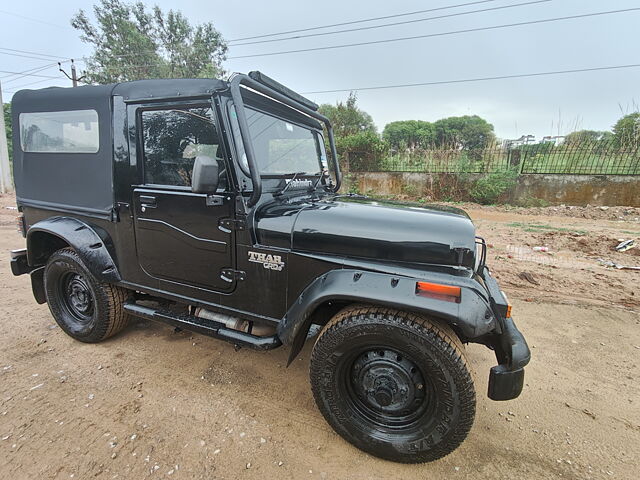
x: 213, y: 206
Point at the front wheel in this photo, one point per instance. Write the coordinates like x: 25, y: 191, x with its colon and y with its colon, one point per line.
x: 393, y: 384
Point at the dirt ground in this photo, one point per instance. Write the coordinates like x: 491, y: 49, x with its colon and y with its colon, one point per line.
x: 150, y: 403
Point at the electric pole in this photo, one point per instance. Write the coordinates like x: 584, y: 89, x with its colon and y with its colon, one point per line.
x: 74, y: 74
x: 6, y: 184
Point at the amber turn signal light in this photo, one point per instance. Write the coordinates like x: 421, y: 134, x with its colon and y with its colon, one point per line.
x: 448, y: 293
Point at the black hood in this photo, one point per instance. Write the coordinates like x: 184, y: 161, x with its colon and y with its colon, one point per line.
x: 363, y: 228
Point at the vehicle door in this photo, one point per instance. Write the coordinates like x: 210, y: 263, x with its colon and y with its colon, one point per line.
x: 180, y: 235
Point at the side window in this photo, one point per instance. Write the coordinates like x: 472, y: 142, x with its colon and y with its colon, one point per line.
x: 173, y: 138
x: 71, y: 131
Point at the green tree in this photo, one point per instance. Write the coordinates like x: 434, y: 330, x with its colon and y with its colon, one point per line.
x: 363, y: 142
x: 466, y: 132
x: 353, y: 128
x: 346, y: 118
x: 131, y: 43
x: 409, y: 134
x: 587, y: 136
x: 7, y: 123
x: 627, y: 130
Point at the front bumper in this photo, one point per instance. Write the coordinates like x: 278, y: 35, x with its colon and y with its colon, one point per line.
x: 512, y: 352
x: 507, y: 378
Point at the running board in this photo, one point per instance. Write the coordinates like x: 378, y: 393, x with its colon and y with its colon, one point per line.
x: 203, y: 326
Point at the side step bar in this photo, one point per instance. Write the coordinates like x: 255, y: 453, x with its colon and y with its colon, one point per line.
x: 203, y: 326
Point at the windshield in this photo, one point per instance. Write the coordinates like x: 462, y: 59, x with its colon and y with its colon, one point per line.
x: 281, y: 147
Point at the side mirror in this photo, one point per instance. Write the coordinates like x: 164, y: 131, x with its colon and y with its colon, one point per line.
x: 204, y: 178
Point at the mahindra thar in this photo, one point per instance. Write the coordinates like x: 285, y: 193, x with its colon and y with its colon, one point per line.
x: 213, y: 206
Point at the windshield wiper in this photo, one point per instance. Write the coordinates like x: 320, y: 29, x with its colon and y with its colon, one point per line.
x: 315, y: 184
x: 285, y: 188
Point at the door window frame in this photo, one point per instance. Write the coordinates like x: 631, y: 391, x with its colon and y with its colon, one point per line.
x: 202, y: 102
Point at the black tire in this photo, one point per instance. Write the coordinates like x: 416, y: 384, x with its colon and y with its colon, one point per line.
x: 393, y: 384
x: 85, y: 308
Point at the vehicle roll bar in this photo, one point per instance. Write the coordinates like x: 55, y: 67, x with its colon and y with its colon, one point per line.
x: 265, y: 85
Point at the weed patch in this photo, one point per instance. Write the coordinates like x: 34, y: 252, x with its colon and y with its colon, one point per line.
x: 539, y: 227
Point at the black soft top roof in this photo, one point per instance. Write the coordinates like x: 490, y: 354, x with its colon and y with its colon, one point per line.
x: 38, y: 100
x: 84, y: 181
x: 168, y: 88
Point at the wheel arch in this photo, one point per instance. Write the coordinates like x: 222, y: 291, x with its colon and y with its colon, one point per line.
x: 90, y: 243
x: 330, y: 292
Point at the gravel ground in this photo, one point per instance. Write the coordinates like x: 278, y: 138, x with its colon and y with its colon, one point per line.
x: 150, y: 403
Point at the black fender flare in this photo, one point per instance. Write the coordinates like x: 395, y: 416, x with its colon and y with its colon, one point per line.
x: 82, y: 237
x: 471, y: 318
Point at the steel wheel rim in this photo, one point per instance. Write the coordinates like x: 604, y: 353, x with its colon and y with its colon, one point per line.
x: 387, y: 388
x: 77, y: 297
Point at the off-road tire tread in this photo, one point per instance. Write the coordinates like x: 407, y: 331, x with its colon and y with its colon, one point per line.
x: 115, y: 318
x: 449, y: 343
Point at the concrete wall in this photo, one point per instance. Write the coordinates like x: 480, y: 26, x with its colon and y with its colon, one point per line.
x: 607, y: 190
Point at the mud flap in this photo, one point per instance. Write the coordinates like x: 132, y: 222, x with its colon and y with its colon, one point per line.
x: 505, y: 384
x: 37, y: 285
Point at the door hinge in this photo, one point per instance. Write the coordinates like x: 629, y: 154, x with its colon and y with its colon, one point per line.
x: 232, y: 224
x: 229, y: 274
x: 115, y: 213
x: 215, y: 200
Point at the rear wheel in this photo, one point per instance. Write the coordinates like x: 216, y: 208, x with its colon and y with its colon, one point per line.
x: 85, y: 308
x: 392, y: 383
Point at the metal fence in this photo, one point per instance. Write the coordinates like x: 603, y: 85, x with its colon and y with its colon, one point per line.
x: 584, y: 158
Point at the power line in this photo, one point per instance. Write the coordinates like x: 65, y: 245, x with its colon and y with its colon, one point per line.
x: 34, y: 53
x: 25, y: 56
x: 24, y: 17
x: 371, y: 27
x: 477, y: 79
x: 440, y: 82
x: 27, y: 74
x: 441, y: 34
x: 359, y: 21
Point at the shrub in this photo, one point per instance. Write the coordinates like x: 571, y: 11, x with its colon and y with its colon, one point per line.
x: 363, y: 142
x: 449, y: 187
x: 410, y: 190
x: 351, y: 182
x: 490, y: 187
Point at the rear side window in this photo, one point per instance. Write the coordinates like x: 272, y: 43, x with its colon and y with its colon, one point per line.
x: 72, y: 131
x: 173, y: 138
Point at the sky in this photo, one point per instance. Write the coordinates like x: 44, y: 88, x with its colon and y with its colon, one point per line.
x: 541, y: 105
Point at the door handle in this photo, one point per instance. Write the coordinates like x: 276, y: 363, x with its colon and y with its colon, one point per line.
x: 147, y: 201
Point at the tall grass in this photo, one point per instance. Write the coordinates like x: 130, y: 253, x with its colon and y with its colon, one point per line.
x: 594, y: 158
